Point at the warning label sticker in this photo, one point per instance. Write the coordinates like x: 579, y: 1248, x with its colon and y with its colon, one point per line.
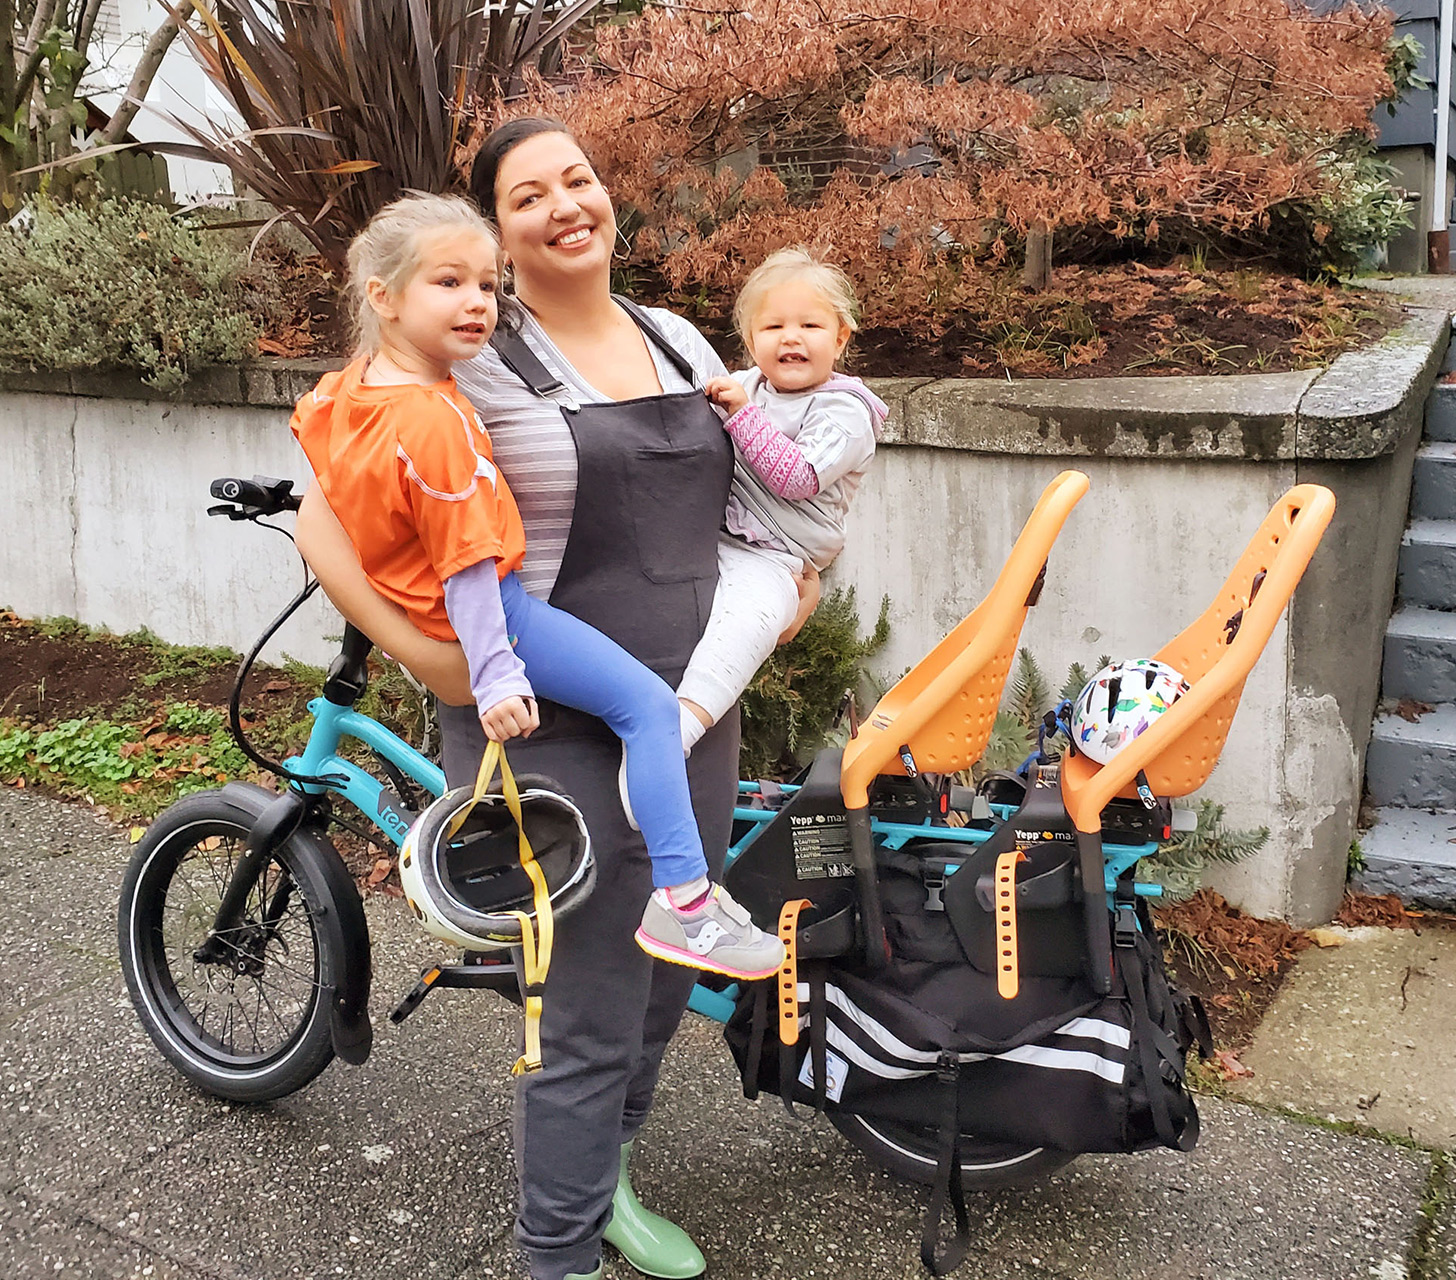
x: 821, y: 846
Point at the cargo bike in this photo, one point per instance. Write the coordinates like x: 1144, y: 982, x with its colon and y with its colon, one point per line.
x: 973, y: 993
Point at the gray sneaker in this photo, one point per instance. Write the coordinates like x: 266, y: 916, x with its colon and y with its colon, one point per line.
x: 718, y: 935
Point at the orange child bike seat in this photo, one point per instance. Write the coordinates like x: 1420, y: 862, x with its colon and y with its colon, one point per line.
x: 944, y: 706
x: 1215, y: 656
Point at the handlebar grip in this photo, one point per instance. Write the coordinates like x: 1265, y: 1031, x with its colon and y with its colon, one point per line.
x: 260, y: 496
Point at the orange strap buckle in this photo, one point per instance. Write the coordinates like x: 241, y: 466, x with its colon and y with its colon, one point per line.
x: 789, y: 973
x: 1008, y: 971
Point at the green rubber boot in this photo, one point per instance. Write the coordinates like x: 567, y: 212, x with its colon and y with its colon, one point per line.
x: 652, y: 1244
x: 595, y: 1275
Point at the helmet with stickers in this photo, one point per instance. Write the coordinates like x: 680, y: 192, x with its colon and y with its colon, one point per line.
x: 1120, y: 702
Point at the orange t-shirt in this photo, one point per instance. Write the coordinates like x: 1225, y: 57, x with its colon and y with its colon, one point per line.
x: 408, y: 472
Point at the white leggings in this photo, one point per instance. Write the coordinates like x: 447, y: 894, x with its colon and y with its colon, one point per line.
x: 756, y: 600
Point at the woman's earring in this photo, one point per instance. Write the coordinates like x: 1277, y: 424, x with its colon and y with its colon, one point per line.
x: 623, y: 247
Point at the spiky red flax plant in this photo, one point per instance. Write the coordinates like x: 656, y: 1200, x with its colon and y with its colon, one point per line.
x: 346, y: 103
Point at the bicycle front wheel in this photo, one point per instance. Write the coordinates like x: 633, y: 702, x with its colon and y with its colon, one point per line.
x: 241, y: 1014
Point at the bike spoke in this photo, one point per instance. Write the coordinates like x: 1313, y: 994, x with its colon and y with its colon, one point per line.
x: 244, y: 1013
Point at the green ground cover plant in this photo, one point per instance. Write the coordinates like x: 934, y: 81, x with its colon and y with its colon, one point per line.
x: 127, y: 768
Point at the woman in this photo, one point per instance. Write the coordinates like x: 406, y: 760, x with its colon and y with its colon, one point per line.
x: 621, y: 470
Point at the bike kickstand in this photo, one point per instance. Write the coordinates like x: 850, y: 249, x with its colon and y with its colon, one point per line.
x: 476, y: 971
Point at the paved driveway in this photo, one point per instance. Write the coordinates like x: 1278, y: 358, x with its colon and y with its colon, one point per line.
x: 111, y: 1166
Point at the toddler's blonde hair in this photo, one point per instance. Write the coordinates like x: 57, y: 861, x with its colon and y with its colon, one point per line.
x: 796, y: 263
x: 388, y: 249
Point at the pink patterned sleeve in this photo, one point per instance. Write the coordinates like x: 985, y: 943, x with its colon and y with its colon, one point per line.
x: 773, y: 456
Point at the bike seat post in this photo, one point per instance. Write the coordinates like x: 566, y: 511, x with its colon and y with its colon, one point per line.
x: 348, y: 676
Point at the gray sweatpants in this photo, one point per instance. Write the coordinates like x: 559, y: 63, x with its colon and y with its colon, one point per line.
x: 609, y: 1008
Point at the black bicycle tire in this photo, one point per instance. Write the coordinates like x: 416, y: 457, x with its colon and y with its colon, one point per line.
x: 152, y: 986
x: 911, y: 1152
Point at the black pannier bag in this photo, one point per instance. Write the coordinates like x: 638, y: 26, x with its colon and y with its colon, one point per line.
x: 927, y: 1040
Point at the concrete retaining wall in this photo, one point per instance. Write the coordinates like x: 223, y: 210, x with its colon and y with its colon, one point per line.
x: 107, y: 523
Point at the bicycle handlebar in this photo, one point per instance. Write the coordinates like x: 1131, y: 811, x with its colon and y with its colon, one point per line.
x: 252, y: 499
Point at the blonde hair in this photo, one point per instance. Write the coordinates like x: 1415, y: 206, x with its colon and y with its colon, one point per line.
x: 388, y: 249
x: 796, y: 263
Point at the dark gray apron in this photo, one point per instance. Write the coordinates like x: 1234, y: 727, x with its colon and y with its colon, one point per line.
x: 640, y: 565
x: 641, y: 560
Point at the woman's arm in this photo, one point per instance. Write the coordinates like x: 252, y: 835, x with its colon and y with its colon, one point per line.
x: 321, y: 538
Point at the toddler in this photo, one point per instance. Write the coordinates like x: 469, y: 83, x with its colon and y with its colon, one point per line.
x: 405, y: 464
x: 803, y: 437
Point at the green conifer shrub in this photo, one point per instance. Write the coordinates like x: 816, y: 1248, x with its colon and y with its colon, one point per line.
x: 790, y: 706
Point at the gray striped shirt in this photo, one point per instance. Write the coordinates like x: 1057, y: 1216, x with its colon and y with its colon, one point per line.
x: 531, y: 441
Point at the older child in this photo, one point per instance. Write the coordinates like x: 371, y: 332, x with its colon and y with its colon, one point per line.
x: 803, y: 438
x: 405, y: 464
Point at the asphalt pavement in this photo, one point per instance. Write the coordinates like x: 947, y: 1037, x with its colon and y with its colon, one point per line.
x: 111, y: 1166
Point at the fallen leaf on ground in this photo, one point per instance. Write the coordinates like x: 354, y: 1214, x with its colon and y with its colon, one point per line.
x: 380, y: 872
x: 1411, y: 710
x: 1374, y: 908
x: 1229, y: 1067
x: 1327, y: 938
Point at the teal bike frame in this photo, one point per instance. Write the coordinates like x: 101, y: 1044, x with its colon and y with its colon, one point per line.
x: 332, y: 724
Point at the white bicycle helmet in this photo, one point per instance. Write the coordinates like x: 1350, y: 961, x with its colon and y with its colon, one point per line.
x: 462, y: 875
x: 1120, y: 702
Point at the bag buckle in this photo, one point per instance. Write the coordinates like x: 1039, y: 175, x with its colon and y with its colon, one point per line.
x: 947, y: 1067
x: 1124, y: 924
x: 933, y: 885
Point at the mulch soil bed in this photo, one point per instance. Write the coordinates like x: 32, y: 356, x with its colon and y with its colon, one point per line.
x: 1125, y: 318
x: 55, y: 671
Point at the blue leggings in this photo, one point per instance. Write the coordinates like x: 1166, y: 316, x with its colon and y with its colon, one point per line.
x: 572, y: 663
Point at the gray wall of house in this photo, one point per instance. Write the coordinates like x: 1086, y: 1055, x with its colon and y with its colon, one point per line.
x: 1407, y: 137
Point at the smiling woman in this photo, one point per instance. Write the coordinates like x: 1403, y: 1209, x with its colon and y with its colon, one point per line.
x: 597, y: 413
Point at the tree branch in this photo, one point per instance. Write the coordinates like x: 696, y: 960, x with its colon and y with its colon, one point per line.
x: 45, y: 12
x: 146, y: 69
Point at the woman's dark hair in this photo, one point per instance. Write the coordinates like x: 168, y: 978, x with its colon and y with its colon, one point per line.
x: 498, y: 145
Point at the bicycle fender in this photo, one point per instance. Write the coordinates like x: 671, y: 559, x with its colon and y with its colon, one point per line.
x: 343, y: 928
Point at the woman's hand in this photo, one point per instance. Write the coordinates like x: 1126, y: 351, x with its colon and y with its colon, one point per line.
x: 438, y: 665
x: 513, y: 717
x: 727, y: 394
x: 809, y: 588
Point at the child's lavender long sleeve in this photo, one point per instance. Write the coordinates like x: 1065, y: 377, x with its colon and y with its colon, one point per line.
x: 473, y: 605
x: 775, y: 458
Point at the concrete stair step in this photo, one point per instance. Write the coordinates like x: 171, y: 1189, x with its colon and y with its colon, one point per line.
x: 1413, y: 763
x: 1433, y: 485
x: 1441, y: 408
x: 1420, y: 655
x: 1427, y: 570
x: 1411, y: 853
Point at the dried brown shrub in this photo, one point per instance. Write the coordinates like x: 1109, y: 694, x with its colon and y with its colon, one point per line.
x: 954, y: 127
